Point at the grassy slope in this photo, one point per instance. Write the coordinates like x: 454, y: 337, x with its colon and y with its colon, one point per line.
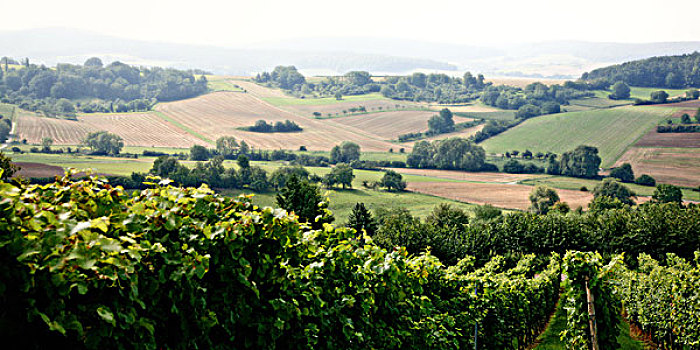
x: 217, y: 83
x: 611, y: 130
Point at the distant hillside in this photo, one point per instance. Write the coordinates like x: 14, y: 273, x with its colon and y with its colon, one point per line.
x: 673, y: 72
x: 58, y: 45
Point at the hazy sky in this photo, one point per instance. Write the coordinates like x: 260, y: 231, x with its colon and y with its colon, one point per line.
x: 237, y: 23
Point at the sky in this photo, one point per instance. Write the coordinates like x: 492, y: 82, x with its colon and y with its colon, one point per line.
x: 237, y: 23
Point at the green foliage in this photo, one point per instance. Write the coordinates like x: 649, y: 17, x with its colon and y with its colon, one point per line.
x: 664, y: 71
x: 340, y: 174
x: 199, y: 153
x: 361, y: 219
x: 442, y: 123
x: 542, y: 199
x: 486, y: 212
x: 7, y: 168
x: 662, y: 300
x: 666, y: 193
x: 581, y: 162
x: 620, y: 91
x: 305, y: 200
x: 623, y: 173
x: 227, y: 146
x: 279, y: 177
x: 346, y: 152
x: 392, y: 181
x: 586, y: 269
x: 103, y: 142
x: 452, y: 154
x: 645, y: 180
x: 86, y: 265
x: 615, y: 190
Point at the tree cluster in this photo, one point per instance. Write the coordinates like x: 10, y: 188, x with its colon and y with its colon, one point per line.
x: 449, y: 154
x: 279, y: 126
x: 116, y: 87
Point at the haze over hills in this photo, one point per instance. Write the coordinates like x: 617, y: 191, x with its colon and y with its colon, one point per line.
x: 325, y: 56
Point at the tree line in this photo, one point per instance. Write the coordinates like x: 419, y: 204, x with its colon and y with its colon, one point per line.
x: 673, y: 72
x: 116, y: 87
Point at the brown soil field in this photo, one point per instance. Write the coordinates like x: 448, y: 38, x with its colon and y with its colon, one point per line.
x: 38, y: 170
x: 498, y: 195
x: 669, y: 139
x: 221, y: 113
x: 389, y: 125
x: 468, y: 176
x: 333, y: 108
x: 141, y: 129
x: 137, y: 129
x: 61, y: 131
x: 678, y: 166
x: 685, y: 104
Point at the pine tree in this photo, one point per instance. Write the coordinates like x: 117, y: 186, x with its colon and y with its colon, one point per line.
x: 361, y: 219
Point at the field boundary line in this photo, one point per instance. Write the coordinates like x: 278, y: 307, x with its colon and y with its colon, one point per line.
x: 633, y: 143
x: 183, y: 127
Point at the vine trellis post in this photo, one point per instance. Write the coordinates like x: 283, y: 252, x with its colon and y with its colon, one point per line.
x: 591, y: 317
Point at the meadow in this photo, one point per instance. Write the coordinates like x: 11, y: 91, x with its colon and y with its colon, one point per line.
x: 611, y: 130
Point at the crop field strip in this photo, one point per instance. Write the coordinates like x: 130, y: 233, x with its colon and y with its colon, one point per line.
x: 221, y: 113
x: 389, y: 125
x: 611, y: 130
x: 137, y: 129
x: 678, y: 166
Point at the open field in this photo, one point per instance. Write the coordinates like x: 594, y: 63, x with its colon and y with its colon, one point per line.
x: 498, y: 115
x: 221, y: 113
x: 497, y: 194
x: 389, y: 125
x: 101, y: 165
x: 221, y: 83
x: 679, y: 166
x: 28, y: 170
x: 137, y: 129
x: 596, y: 102
x: 338, y: 108
x: 645, y: 92
x: 573, y: 183
x: 669, y: 139
x: 285, y: 101
x: 465, y: 176
x: 611, y: 130
x: 475, y: 107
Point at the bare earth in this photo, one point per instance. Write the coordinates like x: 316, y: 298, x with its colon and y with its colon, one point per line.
x: 389, y: 125
x: 498, y: 195
x: 678, y: 166
x: 38, y: 170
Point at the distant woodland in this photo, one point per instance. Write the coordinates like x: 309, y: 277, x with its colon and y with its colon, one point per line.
x: 674, y: 72
x: 93, y: 87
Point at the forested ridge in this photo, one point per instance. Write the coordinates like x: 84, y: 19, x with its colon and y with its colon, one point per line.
x: 93, y: 87
x: 672, y: 72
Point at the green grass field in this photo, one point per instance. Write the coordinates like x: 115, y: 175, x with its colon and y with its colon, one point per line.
x: 611, y: 130
x: 7, y: 110
x: 645, y: 92
x: 217, y: 83
x: 103, y: 165
x: 287, y: 101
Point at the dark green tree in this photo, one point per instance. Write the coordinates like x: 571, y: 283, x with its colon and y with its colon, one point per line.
x: 620, y: 91
x: 393, y: 181
x: 7, y: 168
x: 102, y: 142
x: 615, y: 190
x: 645, y: 180
x: 342, y: 173
x: 227, y: 146
x: 486, y: 212
x: 666, y: 193
x: 199, y: 153
x: 305, y: 200
x: 542, y: 199
x: 659, y: 96
x: 361, y: 219
x: 347, y: 152
x: 581, y: 162
x: 623, y: 173
x: 685, y: 118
